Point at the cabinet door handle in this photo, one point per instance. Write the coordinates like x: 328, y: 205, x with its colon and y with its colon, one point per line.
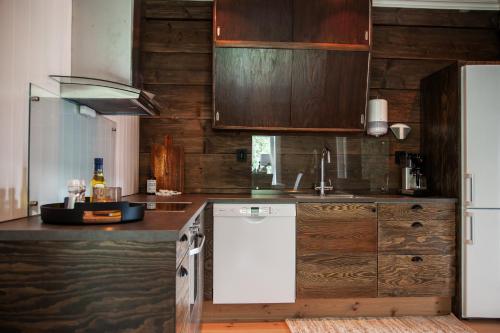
x: 218, y: 31
x: 417, y: 207
x: 417, y: 225
x: 469, y: 236
x: 183, y: 272
x: 197, y: 250
x: 469, y: 192
x: 417, y: 259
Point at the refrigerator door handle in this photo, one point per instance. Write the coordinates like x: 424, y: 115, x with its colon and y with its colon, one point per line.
x: 469, y: 192
x: 469, y: 232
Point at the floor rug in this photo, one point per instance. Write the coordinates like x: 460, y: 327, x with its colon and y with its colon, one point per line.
x: 438, y: 324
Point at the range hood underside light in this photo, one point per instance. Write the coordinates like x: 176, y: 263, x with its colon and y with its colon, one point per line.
x: 107, y: 97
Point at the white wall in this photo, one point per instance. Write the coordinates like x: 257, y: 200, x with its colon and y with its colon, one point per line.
x: 102, y: 48
x: 36, y: 41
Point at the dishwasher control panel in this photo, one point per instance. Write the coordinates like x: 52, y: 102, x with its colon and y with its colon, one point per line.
x: 254, y: 210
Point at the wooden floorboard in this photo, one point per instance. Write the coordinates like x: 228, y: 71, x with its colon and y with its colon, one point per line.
x: 480, y: 326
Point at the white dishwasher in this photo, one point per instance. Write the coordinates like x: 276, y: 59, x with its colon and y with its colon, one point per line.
x: 254, y: 253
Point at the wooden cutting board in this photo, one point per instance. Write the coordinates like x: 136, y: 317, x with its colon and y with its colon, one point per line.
x: 167, y: 162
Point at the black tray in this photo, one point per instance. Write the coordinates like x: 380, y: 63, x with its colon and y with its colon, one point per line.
x: 93, y: 213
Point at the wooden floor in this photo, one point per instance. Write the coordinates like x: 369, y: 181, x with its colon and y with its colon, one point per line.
x: 481, y: 326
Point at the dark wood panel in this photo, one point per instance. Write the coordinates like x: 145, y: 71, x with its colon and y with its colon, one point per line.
x: 180, y: 10
x: 323, y: 275
x: 320, y: 308
x: 441, y: 137
x: 177, y: 75
x: 331, y: 21
x: 435, y: 43
x: 177, y: 36
x: 252, y: 87
x: 390, y: 73
x: 87, y: 286
x: 177, y: 68
x: 254, y: 20
x: 183, y: 101
x: 293, y: 45
x: 321, y: 80
x: 417, y: 275
x: 189, y: 133
x: 435, y: 17
x: 404, y: 105
x: 417, y: 211
x: 216, y: 172
x: 418, y: 236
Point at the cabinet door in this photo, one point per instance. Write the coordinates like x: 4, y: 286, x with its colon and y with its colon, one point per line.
x: 182, y: 297
x: 331, y: 21
x: 336, y: 250
x: 253, y: 20
x: 481, y: 273
x: 329, y: 89
x: 252, y: 87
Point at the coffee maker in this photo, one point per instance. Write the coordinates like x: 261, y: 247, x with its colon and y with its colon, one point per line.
x: 413, y: 181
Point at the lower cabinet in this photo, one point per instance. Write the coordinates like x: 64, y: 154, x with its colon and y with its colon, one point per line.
x: 416, y: 249
x: 182, y: 313
x: 416, y: 275
x: 336, y: 250
x: 189, y: 277
x: 375, y: 250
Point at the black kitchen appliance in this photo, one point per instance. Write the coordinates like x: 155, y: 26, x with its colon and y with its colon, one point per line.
x: 413, y: 181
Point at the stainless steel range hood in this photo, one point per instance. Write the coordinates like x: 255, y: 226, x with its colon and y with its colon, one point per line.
x: 107, y: 97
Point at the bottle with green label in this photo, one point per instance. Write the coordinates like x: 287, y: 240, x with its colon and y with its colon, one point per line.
x: 98, y: 180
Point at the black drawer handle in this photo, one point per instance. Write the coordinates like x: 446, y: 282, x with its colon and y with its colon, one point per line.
x: 374, y: 210
x: 417, y: 259
x: 184, y: 238
x: 417, y: 207
x: 183, y: 272
x: 417, y: 225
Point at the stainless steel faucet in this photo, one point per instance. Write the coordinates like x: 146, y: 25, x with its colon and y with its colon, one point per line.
x: 325, y: 153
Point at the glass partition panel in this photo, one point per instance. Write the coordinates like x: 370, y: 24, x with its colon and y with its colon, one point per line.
x: 292, y: 162
x: 63, y: 144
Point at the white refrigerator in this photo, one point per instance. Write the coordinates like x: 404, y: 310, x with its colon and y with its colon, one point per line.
x: 480, y: 191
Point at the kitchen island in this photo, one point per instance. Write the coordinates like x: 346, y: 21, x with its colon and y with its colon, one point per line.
x: 137, y: 276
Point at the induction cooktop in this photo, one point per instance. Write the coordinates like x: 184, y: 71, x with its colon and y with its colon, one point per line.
x: 176, y: 207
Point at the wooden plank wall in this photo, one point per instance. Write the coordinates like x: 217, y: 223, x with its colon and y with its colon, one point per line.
x: 176, y: 63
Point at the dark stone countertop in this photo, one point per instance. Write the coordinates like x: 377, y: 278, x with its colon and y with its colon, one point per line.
x: 160, y: 226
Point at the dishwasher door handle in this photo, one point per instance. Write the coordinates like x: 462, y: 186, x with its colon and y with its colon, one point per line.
x: 255, y: 219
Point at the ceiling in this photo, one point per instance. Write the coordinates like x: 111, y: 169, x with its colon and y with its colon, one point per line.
x: 441, y: 4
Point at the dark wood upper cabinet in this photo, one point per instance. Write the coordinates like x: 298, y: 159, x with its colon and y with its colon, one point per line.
x: 331, y: 21
x: 325, y: 24
x: 253, y: 20
x: 329, y: 89
x: 252, y: 87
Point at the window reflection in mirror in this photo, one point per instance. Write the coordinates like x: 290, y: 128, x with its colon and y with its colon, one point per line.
x: 266, y: 162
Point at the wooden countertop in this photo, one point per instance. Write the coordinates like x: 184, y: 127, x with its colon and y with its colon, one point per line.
x: 160, y: 226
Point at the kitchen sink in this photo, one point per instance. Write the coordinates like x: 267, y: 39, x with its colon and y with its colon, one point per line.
x: 328, y: 196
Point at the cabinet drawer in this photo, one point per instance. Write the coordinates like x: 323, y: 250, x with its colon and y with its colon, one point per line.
x: 416, y: 275
x: 417, y: 236
x: 182, y: 297
x: 416, y: 211
x: 332, y: 276
x: 182, y: 246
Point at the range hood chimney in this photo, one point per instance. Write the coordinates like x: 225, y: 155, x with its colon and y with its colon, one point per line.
x: 107, y: 97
